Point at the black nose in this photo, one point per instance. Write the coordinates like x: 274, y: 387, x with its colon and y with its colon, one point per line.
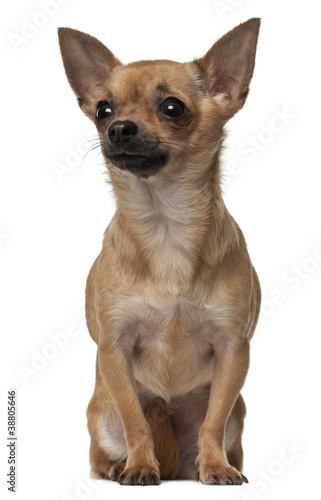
x: 122, y: 131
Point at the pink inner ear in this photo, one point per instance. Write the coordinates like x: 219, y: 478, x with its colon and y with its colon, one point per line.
x: 229, y: 65
x: 227, y: 84
x: 234, y: 69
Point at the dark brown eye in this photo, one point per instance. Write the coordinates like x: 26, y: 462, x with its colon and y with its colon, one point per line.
x: 103, y: 110
x: 173, y: 108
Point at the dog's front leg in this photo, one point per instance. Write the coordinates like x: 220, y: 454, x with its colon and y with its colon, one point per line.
x: 231, y: 366
x: 116, y: 371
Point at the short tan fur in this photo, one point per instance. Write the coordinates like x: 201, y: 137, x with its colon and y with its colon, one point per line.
x: 172, y: 300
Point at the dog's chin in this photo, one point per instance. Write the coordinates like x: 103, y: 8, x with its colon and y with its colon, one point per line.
x: 141, y: 165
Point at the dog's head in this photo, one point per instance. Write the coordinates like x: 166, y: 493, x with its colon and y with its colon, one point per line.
x: 152, y: 115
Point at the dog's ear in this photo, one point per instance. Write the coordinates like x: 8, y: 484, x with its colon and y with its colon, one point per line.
x: 228, y: 67
x: 88, y: 65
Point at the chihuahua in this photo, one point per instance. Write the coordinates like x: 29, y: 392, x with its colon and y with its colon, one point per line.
x: 172, y: 300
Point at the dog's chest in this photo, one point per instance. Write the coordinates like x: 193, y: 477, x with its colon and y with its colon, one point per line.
x: 168, y: 227
x: 174, y: 346
x: 172, y: 340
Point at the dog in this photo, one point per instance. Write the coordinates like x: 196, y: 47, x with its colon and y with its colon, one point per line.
x: 172, y: 300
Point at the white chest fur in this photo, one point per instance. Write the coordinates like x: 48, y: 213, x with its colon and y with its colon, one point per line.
x: 169, y: 218
x: 172, y: 343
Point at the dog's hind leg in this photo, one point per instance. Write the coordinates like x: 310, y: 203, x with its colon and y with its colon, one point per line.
x: 166, y: 446
x: 108, y: 450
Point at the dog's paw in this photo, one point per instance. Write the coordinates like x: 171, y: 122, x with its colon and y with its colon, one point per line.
x: 143, y: 475
x: 106, y: 470
x: 220, y: 474
x: 116, y: 470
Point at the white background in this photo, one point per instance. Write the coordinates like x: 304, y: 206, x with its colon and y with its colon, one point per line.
x: 51, y: 231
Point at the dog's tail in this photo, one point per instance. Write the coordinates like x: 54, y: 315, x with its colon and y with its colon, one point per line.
x: 166, y: 446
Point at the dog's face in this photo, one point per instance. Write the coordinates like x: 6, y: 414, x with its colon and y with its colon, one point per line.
x: 152, y: 115
x: 151, y: 111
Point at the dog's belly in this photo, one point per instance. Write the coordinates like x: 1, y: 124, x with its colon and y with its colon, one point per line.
x: 173, y: 356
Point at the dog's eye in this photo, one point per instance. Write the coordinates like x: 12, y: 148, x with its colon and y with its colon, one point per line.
x: 173, y: 108
x: 103, y: 110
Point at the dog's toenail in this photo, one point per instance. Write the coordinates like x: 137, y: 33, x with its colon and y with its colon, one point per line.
x: 154, y: 479
x: 121, y: 478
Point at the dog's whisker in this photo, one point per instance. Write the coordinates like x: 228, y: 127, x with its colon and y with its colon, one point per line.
x: 91, y: 149
x: 95, y: 139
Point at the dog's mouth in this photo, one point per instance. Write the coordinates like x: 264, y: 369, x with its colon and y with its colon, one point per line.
x: 141, y: 164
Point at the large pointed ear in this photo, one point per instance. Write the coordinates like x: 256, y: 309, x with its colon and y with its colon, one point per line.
x: 228, y: 67
x: 88, y: 65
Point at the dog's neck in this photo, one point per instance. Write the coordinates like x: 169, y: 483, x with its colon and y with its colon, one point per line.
x: 171, y: 219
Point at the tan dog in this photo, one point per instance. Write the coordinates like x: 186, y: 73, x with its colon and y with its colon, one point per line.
x: 173, y: 299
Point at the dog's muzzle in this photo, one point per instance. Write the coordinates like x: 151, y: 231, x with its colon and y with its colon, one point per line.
x: 125, y: 148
